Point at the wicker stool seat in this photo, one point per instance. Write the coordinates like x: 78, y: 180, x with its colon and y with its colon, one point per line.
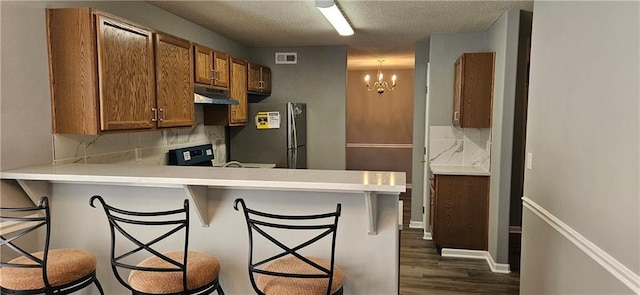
x: 298, y: 286
x: 202, y: 269
x: 64, y: 266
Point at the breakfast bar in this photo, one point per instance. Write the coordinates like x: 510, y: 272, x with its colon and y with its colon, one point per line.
x: 367, y: 241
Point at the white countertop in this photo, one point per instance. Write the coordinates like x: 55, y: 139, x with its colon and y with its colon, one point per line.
x: 241, y: 178
x: 458, y: 170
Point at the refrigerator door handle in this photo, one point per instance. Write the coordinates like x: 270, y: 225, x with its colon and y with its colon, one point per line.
x: 292, y: 123
x: 294, y: 161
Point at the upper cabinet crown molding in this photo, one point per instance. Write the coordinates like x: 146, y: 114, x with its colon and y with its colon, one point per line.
x: 473, y: 90
x: 106, y: 75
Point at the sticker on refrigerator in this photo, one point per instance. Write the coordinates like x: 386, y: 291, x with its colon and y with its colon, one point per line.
x: 268, y: 120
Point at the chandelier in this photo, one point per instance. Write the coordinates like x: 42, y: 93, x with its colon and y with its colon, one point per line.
x: 380, y: 86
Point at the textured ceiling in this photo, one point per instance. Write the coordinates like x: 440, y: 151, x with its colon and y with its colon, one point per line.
x: 383, y: 29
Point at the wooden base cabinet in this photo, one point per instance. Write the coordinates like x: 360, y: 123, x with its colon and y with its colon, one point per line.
x: 103, y: 74
x: 460, y: 211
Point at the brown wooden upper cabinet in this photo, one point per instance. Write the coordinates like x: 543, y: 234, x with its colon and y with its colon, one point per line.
x: 174, y: 81
x: 473, y: 90
x: 103, y: 74
x: 231, y: 115
x: 259, y: 79
x: 211, y: 68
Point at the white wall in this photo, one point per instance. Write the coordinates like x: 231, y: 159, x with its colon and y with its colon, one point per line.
x: 25, y: 105
x: 584, y: 135
x: 318, y: 79
x: 503, y: 40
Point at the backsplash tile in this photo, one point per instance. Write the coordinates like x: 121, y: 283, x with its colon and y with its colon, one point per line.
x: 449, y: 145
x: 111, y: 143
x: 445, y: 132
x: 126, y: 157
x: 68, y: 146
x: 446, y: 151
x: 151, y: 146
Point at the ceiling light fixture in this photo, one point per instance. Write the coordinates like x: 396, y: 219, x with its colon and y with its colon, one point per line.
x: 380, y: 86
x: 333, y: 14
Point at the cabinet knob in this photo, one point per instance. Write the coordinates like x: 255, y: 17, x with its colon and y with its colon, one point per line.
x: 155, y: 115
x: 163, y: 115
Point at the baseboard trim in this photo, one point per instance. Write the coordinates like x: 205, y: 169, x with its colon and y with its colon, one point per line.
x: 415, y: 224
x: 613, y: 266
x: 427, y: 236
x: 477, y: 254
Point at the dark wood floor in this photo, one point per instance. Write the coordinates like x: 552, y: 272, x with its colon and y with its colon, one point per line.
x: 423, y: 271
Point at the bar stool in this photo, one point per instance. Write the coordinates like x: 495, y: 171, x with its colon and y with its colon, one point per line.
x: 288, y: 271
x: 59, y: 271
x: 176, y: 272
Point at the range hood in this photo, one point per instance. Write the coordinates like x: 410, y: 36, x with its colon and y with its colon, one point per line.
x: 210, y: 96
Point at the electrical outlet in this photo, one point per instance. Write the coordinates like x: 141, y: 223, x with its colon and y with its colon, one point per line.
x: 529, y: 160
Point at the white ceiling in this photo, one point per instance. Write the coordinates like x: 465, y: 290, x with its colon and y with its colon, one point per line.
x: 383, y: 29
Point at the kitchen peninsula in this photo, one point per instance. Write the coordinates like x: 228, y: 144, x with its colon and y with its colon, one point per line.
x: 367, y: 241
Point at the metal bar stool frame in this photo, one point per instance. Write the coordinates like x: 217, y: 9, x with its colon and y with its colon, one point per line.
x: 128, y: 217
x: 254, y: 224
x: 44, y: 220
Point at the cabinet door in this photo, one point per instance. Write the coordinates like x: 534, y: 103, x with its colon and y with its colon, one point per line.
x: 457, y: 91
x: 254, y: 78
x: 126, y: 75
x: 473, y: 90
x: 174, y: 81
x: 266, y: 80
x: 221, y: 69
x: 238, y: 91
x: 203, y: 63
x: 462, y: 211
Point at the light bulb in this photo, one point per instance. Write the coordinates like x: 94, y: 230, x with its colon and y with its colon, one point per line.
x: 366, y: 78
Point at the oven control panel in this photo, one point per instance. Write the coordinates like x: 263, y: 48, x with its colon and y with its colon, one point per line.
x: 200, y: 155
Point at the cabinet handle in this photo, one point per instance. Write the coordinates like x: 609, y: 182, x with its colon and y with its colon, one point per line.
x: 163, y: 115
x: 155, y: 115
x: 456, y: 115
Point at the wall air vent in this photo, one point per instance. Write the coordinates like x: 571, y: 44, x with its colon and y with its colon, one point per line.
x: 286, y: 58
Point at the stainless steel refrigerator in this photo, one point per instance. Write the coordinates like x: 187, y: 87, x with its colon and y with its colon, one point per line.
x: 275, y: 133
